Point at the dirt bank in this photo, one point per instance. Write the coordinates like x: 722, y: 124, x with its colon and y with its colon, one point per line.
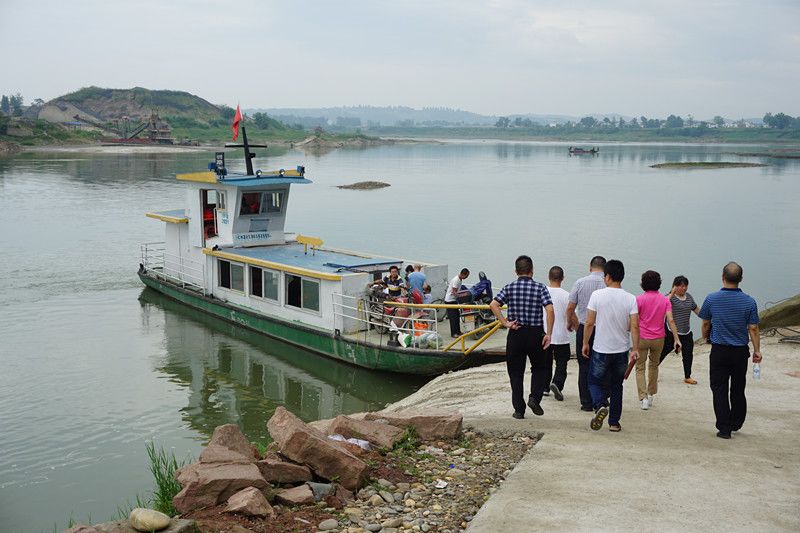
x: 666, y: 471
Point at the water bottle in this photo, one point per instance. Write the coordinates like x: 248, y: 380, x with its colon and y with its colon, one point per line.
x: 756, y: 370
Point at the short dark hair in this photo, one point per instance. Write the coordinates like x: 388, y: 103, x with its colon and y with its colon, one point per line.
x: 597, y: 261
x: 523, y: 264
x: 651, y: 280
x: 732, y: 273
x: 393, y: 267
x: 680, y: 280
x: 409, y: 268
x: 615, y: 270
x: 556, y: 274
x: 465, y: 272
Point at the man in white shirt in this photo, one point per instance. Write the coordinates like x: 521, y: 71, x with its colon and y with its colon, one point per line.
x: 559, y: 338
x: 450, y: 298
x: 615, y: 315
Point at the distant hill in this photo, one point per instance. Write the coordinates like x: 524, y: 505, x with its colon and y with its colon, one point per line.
x: 110, y: 104
x: 106, y: 109
x: 376, y: 116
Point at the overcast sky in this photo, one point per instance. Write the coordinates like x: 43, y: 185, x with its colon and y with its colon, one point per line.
x: 738, y: 58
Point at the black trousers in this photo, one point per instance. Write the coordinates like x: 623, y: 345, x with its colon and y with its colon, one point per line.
x: 455, y: 321
x: 522, y: 345
x: 561, y: 355
x: 727, y: 371
x: 583, y: 368
x: 687, y: 350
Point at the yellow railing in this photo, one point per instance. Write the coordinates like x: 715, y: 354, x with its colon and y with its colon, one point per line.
x: 492, y: 327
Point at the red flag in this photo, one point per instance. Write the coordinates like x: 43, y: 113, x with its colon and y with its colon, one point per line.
x: 236, y: 119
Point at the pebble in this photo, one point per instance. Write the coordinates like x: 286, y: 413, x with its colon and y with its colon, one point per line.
x: 393, y: 522
x: 456, y: 472
x: 376, y: 500
x: 328, y: 524
x: 403, y: 487
x: 387, y: 496
x: 384, y: 483
x: 425, y: 527
x: 458, y: 451
x: 373, y: 527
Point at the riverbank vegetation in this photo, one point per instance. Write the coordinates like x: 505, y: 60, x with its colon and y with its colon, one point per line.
x: 706, y: 164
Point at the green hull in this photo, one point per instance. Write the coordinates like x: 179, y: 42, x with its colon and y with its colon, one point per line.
x: 371, y: 356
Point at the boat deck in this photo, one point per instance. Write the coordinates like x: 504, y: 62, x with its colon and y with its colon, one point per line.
x: 320, y: 260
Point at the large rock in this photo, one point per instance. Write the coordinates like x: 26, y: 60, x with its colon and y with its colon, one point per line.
x: 229, y: 445
x: 384, y: 435
x: 209, y: 484
x: 308, y: 446
x: 250, y: 502
x: 148, y: 520
x: 275, y: 470
x: 430, y: 423
x: 123, y: 526
x: 324, y: 425
x: 301, y: 495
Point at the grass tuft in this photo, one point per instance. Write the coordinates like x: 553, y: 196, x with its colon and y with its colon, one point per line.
x: 163, y: 466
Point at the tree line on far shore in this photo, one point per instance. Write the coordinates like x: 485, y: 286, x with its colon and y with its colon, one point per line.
x: 778, y: 121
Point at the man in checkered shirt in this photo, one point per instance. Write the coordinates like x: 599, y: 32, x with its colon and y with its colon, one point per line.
x: 527, y: 301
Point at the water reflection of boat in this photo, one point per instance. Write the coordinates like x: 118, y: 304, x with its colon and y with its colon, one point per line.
x: 576, y: 150
x: 236, y: 375
x: 227, y: 254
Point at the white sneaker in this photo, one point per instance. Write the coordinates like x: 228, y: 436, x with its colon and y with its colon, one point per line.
x: 650, y: 399
x: 645, y: 404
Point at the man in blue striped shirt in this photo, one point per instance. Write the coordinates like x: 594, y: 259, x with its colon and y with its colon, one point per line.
x: 527, y: 301
x: 730, y: 317
x: 576, y: 318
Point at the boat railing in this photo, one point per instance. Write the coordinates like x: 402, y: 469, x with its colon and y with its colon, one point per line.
x: 487, y: 329
x: 358, y: 317
x: 188, y: 273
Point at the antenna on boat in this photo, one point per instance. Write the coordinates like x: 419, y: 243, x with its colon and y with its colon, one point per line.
x: 248, y: 155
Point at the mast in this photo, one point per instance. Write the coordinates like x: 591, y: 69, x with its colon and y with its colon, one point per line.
x: 248, y: 155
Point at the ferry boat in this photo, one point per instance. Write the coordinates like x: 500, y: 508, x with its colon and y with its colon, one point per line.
x: 228, y: 254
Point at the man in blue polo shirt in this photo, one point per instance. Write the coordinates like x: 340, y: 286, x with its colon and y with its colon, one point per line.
x: 730, y: 316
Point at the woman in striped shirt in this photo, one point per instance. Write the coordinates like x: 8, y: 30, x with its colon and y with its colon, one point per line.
x: 683, y: 305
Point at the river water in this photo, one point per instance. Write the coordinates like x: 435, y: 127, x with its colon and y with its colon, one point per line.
x: 93, y: 366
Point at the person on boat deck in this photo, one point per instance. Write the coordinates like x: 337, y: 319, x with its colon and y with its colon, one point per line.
x: 416, y: 280
x: 427, y: 297
x: 528, y: 302
x: 393, y: 282
x: 451, y: 297
x: 484, y: 286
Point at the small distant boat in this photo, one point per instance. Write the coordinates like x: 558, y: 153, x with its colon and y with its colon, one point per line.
x: 575, y: 150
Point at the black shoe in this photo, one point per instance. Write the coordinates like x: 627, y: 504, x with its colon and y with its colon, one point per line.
x: 535, y: 407
x: 518, y: 416
x: 723, y: 435
x: 556, y: 392
x: 587, y: 408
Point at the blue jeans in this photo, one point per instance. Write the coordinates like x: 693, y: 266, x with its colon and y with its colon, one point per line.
x: 609, y: 369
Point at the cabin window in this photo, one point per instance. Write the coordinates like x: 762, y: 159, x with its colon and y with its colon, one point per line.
x: 273, y: 202
x: 264, y: 283
x: 251, y: 203
x: 256, y: 282
x: 271, y: 280
x: 302, y: 292
x: 231, y: 275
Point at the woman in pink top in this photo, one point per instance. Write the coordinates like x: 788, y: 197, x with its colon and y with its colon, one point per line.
x: 653, y: 307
